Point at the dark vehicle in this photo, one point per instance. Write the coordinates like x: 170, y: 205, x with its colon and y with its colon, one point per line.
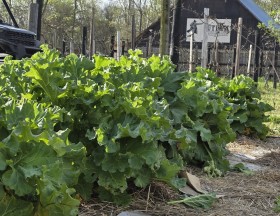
x: 15, y: 41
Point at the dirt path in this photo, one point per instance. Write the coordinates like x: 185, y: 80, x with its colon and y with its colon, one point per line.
x: 243, y: 194
x: 250, y: 194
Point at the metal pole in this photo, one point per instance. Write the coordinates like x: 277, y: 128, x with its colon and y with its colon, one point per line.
x: 10, y: 13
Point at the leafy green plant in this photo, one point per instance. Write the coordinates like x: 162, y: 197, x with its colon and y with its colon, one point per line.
x: 202, y: 124
x: 71, y: 126
x: 113, y: 108
x: 203, y: 201
x: 277, y: 205
x: 38, y: 166
x: 240, y: 167
x: 249, y: 115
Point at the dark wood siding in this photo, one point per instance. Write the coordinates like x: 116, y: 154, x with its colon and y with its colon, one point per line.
x: 220, y: 9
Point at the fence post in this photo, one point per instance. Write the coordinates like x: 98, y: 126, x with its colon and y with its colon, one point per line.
x: 275, y: 75
x: 63, y: 47
x: 150, y: 45
x: 72, y: 49
x: 257, y: 55
x: 39, y: 18
x: 204, y: 51
x: 112, y: 46
x: 249, y: 60
x: 33, y: 17
x: 54, y: 39
x: 123, y: 47
x: 171, y: 48
x: 92, y: 35
x: 238, y: 46
x: 195, y: 55
x: 233, y: 63
x: 164, y: 27
x: 216, y: 57
x: 84, y: 40
x: 147, y: 49
x: 191, y: 52
x: 118, y: 45
x: 209, y: 60
x: 133, y: 24
x: 177, y: 33
x: 261, y: 62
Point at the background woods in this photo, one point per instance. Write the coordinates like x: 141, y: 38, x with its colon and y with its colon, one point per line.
x: 65, y: 19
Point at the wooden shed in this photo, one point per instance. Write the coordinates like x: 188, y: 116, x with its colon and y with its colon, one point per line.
x: 223, y: 13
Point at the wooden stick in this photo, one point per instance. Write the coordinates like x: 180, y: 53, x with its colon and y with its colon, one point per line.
x: 118, y: 45
x: 238, y: 46
x: 249, y: 60
x: 204, y: 53
x: 191, y: 53
x: 148, y: 198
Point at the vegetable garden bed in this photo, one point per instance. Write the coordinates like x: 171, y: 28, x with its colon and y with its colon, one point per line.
x: 73, y: 129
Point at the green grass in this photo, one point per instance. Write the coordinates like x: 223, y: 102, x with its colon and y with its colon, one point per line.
x: 272, y: 97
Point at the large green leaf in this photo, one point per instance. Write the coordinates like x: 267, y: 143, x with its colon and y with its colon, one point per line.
x: 56, y: 198
x: 11, y: 206
x: 27, y: 164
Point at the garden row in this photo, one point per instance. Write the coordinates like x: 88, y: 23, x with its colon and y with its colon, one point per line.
x: 71, y: 127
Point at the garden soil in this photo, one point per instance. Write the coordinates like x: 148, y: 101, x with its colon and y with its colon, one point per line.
x: 242, y: 193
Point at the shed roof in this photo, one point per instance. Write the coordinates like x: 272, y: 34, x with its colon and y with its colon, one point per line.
x: 257, y: 12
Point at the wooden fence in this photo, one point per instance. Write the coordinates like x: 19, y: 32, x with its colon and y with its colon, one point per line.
x: 222, y: 61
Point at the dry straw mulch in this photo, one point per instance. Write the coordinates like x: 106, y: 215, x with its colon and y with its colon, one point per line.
x: 243, y: 194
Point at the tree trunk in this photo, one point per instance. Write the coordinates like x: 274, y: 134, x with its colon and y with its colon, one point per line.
x: 74, y: 19
x: 176, y: 33
x: 39, y: 22
x: 133, y: 24
x: 164, y: 27
x: 140, y: 21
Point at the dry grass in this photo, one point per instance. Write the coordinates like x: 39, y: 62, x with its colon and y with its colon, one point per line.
x: 152, y: 200
x: 243, y: 194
